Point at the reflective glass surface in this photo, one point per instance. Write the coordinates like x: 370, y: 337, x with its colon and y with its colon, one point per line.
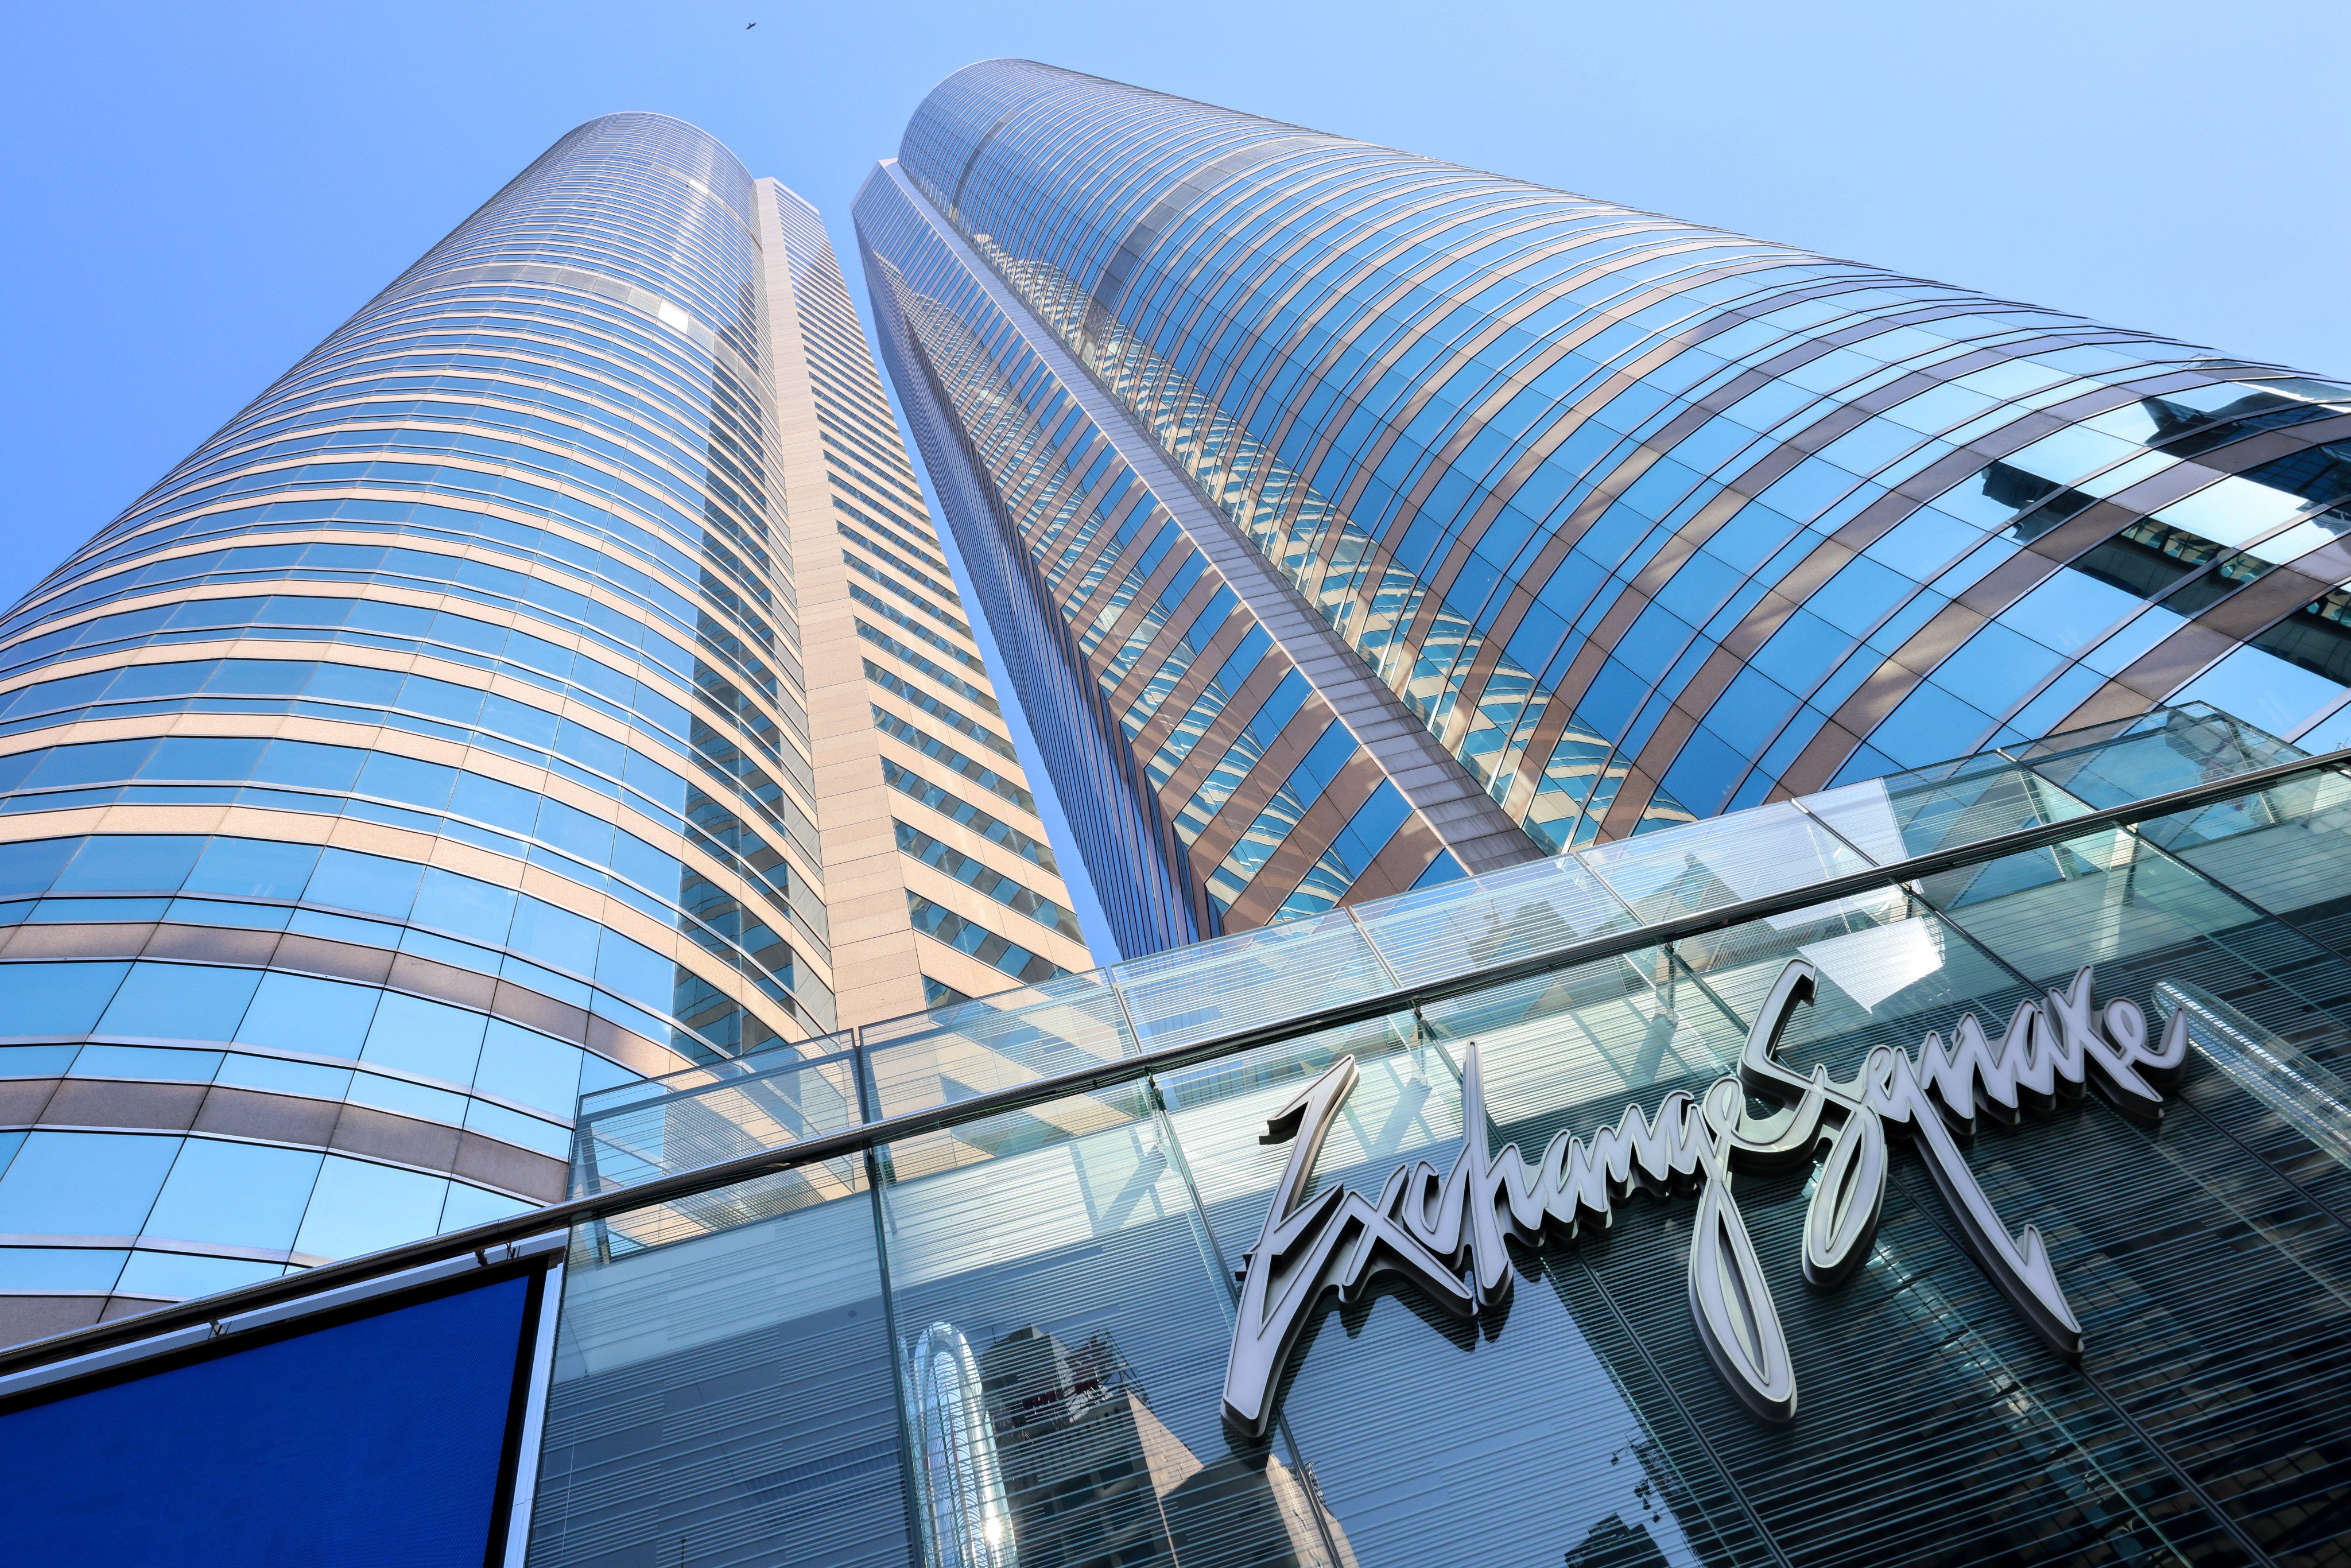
x: 1057, y: 1285
x: 429, y: 745
x: 439, y: 743
x: 1641, y: 520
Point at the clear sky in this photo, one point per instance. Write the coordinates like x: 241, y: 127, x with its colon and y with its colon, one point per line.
x: 196, y: 193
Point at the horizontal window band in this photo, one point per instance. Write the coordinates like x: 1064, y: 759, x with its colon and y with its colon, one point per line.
x: 931, y: 1119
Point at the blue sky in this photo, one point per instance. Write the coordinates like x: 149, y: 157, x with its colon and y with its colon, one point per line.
x: 196, y: 193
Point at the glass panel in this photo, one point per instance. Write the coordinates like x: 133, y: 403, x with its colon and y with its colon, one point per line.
x: 254, y: 868
x: 60, y: 1269
x: 32, y: 866
x: 84, y: 1184
x: 367, y: 883
x: 146, y: 1062
x: 429, y: 1038
x: 1253, y: 978
x: 2192, y: 745
x: 34, y: 1061
x: 233, y: 1195
x: 72, y: 910
x: 180, y: 1001
x: 521, y: 1064
x: 628, y: 1143
x: 56, y: 999
x: 179, y: 1275
x: 1063, y: 1328
x: 144, y: 862
x: 1008, y: 1038
x: 1701, y: 865
x: 603, y: 1085
x: 360, y: 1207
x: 1959, y: 803
x: 725, y: 1393
x: 1863, y: 816
x: 1597, y: 1036
x: 2282, y: 849
x: 1456, y: 927
x: 321, y: 1018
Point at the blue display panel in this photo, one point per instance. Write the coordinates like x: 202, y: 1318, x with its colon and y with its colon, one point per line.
x: 385, y: 1438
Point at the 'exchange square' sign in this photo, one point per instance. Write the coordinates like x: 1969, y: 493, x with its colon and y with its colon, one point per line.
x: 1449, y: 1231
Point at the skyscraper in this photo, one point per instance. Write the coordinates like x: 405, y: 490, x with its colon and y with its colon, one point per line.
x: 1372, y: 518
x: 1175, y: 1262
x: 552, y: 679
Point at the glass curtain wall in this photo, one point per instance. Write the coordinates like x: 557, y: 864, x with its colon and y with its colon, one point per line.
x: 1004, y: 1343
x: 427, y: 747
x: 1641, y: 520
x: 1184, y: 686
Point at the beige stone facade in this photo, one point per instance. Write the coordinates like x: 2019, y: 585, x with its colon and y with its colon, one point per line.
x: 883, y: 633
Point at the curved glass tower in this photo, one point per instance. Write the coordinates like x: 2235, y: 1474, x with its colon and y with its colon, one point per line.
x: 1616, y: 520
x: 437, y: 742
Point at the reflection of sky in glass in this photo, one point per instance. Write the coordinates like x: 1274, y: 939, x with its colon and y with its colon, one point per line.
x: 1767, y: 850
x: 1871, y: 965
x: 1585, y: 1408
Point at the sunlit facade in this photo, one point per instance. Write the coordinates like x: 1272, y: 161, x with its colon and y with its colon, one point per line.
x: 468, y: 724
x: 1502, y: 1140
x: 1009, y: 1342
x: 981, y: 1287
x: 1633, y: 521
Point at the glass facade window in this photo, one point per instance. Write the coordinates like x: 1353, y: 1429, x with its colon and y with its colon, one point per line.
x: 1628, y: 521
x: 484, y: 716
x: 1730, y: 886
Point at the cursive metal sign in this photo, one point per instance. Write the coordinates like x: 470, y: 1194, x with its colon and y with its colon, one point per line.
x: 1449, y: 1231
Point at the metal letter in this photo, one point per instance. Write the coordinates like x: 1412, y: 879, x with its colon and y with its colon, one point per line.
x: 1450, y: 1231
x: 1335, y: 1240
x: 1736, y: 1319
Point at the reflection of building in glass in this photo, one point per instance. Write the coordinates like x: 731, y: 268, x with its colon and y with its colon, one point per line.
x: 913, y: 1335
x: 1584, y: 1421
x: 957, y: 1477
x: 1209, y: 368
x: 551, y: 680
x: 1367, y: 519
x: 1613, y: 1543
x: 1093, y: 1477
